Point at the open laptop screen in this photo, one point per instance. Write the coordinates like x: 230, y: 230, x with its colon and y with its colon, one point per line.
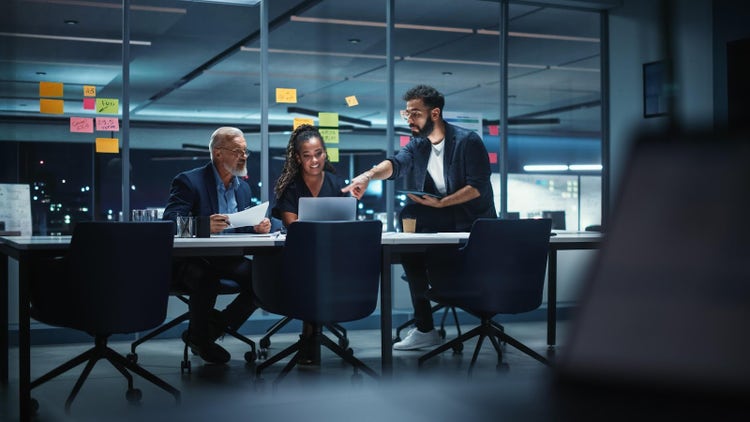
x: 342, y: 208
x: 668, y: 300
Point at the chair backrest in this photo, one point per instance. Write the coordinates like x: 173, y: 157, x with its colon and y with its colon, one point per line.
x: 116, y: 280
x: 329, y: 272
x: 501, y: 268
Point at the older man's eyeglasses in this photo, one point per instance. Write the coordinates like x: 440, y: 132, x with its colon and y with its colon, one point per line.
x: 238, y: 152
x: 412, y: 114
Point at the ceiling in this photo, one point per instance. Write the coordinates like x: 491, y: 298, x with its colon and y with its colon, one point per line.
x: 196, y: 63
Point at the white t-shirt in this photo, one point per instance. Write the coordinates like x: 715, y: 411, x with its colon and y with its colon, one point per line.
x: 435, y: 166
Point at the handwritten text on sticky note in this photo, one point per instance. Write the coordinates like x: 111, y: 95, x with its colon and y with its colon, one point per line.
x: 81, y: 125
x: 351, y: 101
x: 286, y: 95
x: 107, y: 105
x: 107, y: 123
x: 330, y: 136
x: 89, y: 91
x: 299, y: 121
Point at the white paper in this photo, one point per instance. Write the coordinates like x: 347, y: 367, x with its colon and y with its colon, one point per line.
x: 249, y: 217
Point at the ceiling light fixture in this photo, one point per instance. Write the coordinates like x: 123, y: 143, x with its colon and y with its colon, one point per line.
x: 354, y: 40
x: 70, y: 22
x: 82, y: 39
x: 446, y: 73
x: 314, y: 113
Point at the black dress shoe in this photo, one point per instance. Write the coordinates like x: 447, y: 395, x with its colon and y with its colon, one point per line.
x: 217, y: 325
x: 209, y: 351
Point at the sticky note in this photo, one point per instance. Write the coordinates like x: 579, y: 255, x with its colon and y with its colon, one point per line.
x: 403, y: 140
x: 286, y: 95
x: 48, y: 106
x: 494, y: 130
x: 330, y: 136
x: 298, y: 121
x: 89, y: 103
x: 107, y: 145
x: 351, y: 101
x: 81, y: 125
x: 107, y: 105
x: 107, y: 123
x: 328, y: 119
x: 50, y: 89
x: 333, y: 155
x: 493, y: 157
x: 89, y: 91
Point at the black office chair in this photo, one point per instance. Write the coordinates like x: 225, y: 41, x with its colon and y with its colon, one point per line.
x: 113, y: 280
x: 327, y: 272
x: 265, y: 342
x: 501, y: 271
x: 227, y: 287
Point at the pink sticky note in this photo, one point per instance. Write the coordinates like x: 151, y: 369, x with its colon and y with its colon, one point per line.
x: 89, y: 103
x: 494, y: 130
x: 82, y: 125
x: 493, y: 157
x: 107, y: 123
x: 404, y: 140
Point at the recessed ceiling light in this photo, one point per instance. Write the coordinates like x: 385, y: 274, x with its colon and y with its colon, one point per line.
x: 446, y: 73
x: 41, y: 73
x: 71, y: 22
x: 355, y: 40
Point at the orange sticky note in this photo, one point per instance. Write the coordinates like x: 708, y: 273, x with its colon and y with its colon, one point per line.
x: 89, y: 103
x: 298, y: 121
x: 286, y: 95
x: 403, y: 140
x: 89, y: 91
x: 107, y: 145
x: 81, y: 125
x: 493, y: 157
x: 48, y: 106
x: 50, y: 89
x: 351, y: 101
x: 494, y: 130
x: 107, y: 123
x: 333, y: 155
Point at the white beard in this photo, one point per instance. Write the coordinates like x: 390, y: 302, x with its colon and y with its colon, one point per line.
x: 236, y: 172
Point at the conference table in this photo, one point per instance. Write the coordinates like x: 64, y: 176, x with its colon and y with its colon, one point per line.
x: 28, y: 249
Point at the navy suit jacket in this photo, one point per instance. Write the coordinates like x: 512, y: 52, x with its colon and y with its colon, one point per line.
x: 193, y: 192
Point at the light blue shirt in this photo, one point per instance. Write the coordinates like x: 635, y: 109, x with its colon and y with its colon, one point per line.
x: 227, y: 196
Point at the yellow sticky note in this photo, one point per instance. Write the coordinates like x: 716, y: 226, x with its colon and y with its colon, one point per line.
x: 351, y: 101
x: 107, y: 105
x: 298, y: 121
x: 286, y: 95
x: 108, y: 145
x: 48, y: 106
x: 50, y: 89
x: 333, y: 155
x: 328, y: 119
x: 89, y: 91
x: 330, y: 136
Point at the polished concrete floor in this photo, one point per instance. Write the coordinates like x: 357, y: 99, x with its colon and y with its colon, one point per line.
x: 440, y: 390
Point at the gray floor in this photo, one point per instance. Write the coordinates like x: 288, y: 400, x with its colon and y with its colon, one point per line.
x: 440, y: 390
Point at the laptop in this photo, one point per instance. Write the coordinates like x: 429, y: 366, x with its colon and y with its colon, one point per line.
x: 334, y: 208
x: 667, y: 303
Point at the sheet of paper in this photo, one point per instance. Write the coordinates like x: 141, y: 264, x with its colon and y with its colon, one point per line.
x: 249, y: 217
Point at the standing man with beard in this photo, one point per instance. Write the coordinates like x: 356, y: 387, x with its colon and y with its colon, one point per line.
x: 445, y: 160
x: 214, y: 190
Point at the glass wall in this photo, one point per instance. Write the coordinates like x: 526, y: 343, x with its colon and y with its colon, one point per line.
x: 195, y: 66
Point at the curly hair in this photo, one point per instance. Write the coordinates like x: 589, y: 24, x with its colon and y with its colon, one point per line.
x: 291, y: 167
x: 430, y: 96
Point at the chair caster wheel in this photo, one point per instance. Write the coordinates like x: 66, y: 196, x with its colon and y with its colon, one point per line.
x: 265, y: 343
x: 133, y: 395
x: 344, y: 342
x: 250, y: 357
x: 132, y: 357
x: 442, y: 333
x: 263, y: 354
x: 185, y: 367
x: 458, y: 348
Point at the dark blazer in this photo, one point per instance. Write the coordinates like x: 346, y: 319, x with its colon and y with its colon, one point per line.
x: 193, y: 192
x: 465, y: 163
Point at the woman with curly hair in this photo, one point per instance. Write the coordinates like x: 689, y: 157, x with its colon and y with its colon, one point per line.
x: 307, y: 173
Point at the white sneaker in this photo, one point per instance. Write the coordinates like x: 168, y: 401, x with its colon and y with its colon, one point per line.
x: 417, y: 340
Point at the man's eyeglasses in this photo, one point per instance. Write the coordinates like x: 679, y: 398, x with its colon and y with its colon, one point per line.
x: 414, y: 114
x: 238, y: 152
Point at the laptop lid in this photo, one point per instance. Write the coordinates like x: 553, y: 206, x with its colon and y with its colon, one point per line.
x: 340, y: 208
x: 667, y: 302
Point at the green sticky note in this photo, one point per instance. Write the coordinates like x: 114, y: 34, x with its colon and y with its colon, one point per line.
x: 333, y: 155
x: 107, y: 105
x: 328, y: 119
x: 330, y: 136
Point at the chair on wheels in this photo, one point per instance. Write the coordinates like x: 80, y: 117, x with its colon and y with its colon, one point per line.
x: 435, y: 308
x: 113, y: 280
x: 265, y: 342
x: 326, y: 273
x: 501, y: 268
x: 227, y: 287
